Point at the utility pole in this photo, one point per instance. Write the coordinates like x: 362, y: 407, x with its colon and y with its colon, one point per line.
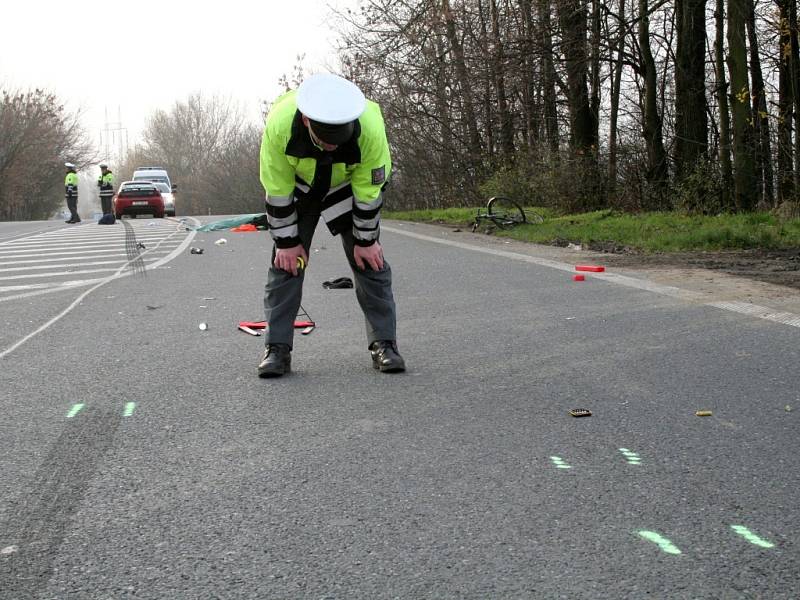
x: 114, y: 134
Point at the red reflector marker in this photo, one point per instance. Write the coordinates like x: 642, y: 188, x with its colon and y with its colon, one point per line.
x: 592, y: 268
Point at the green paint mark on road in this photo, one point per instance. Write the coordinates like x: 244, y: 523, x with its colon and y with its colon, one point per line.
x: 660, y: 541
x: 76, y: 408
x: 752, y: 537
x: 633, y: 457
x: 129, y: 408
x: 559, y: 463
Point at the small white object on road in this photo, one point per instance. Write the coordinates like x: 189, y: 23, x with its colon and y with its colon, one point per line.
x: 203, y: 326
x: 221, y: 242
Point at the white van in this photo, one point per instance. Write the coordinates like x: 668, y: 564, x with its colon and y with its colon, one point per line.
x: 155, y: 174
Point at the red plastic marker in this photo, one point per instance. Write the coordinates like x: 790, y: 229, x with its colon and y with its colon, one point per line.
x: 592, y: 268
x: 578, y: 278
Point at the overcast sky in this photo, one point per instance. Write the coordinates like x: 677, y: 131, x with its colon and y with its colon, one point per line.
x: 138, y: 56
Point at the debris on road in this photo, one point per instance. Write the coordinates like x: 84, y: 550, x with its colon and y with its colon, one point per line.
x: 578, y: 278
x: 203, y: 326
x: 150, y: 307
x: 221, y: 242
x: 195, y: 250
x: 703, y: 413
x: 580, y: 412
x: 249, y: 330
x: 338, y: 283
x: 245, y: 227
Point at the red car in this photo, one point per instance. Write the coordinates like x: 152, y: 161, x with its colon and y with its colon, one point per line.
x: 138, y: 198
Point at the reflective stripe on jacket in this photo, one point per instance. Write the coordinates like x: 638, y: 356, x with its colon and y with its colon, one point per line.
x: 359, y: 169
x: 71, y: 185
x: 106, y: 183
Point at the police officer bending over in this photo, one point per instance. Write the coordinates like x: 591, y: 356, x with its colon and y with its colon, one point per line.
x: 324, y: 152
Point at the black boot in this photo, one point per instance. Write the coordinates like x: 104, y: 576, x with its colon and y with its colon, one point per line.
x: 277, y: 361
x: 385, y: 356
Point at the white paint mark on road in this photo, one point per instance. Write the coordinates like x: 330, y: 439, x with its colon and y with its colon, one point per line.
x: 754, y: 310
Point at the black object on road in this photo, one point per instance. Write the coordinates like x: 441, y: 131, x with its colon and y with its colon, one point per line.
x: 338, y: 284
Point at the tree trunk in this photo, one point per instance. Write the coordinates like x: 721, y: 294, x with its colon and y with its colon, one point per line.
x: 465, y: 86
x: 528, y: 77
x: 785, y: 106
x: 583, y: 126
x: 760, y: 115
x: 651, y: 121
x: 595, y: 67
x: 691, y: 124
x: 744, y: 182
x: 616, y: 84
x: 794, y: 73
x: 506, y: 125
x: 548, y: 77
x: 722, y: 100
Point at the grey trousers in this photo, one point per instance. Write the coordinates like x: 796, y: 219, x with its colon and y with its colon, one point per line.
x: 283, y: 292
x: 72, y: 206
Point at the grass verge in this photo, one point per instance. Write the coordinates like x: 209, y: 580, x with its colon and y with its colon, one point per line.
x: 647, y: 232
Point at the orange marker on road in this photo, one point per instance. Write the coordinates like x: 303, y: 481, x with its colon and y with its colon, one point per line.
x: 592, y: 268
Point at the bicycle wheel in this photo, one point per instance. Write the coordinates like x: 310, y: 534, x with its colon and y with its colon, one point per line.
x: 533, y: 217
x: 505, y: 212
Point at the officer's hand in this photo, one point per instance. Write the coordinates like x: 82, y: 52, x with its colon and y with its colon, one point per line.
x: 371, y: 255
x: 286, y: 258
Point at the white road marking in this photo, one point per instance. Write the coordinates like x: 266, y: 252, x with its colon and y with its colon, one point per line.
x: 70, y: 252
x: 37, y: 289
x: 744, y: 308
x: 119, y: 273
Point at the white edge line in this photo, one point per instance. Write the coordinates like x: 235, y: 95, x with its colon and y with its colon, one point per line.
x: 753, y: 310
x: 102, y: 282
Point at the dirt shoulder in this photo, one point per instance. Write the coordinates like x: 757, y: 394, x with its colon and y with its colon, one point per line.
x: 767, y: 278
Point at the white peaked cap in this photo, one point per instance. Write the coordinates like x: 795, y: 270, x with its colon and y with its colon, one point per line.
x: 331, y: 99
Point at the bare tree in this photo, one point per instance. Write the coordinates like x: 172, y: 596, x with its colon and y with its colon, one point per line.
x: 190, y: 140
x: 37, y: 135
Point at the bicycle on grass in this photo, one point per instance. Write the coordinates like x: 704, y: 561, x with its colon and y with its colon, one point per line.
x: 506, y: 213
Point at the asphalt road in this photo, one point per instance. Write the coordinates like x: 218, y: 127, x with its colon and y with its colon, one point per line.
x: 143, y: 458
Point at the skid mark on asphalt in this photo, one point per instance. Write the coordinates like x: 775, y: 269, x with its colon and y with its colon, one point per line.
x: 37, y: 522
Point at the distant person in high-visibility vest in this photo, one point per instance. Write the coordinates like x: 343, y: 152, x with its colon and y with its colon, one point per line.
x: 325, y: 153
x: 106, y: 185
x: 71, y: 193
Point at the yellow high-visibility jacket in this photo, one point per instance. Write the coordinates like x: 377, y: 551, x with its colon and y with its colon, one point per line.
x: 290, y: 162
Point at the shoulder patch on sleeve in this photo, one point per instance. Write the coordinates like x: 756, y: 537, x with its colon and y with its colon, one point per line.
x: 379, y: 175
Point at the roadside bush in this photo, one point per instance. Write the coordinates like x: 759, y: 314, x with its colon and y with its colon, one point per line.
x: 565, y: 184
x: 701, y: 192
